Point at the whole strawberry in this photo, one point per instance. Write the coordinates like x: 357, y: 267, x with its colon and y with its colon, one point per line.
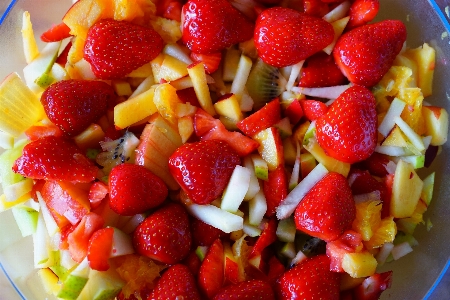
x: 328, y: 209
x: 366, y: 53
x: 251, y: 289
x: 211, y: 26
x: 177, y: 282
x: 311, y: 279
x: 115, y: 48
x: 348, y: 131
x: 55, y: 158
x: 73, y: 105
x: 203, y: 169
x: 284, y: 36
x: 135, y: 189
x: 164, y: 235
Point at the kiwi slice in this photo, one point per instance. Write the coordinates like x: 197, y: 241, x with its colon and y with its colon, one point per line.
x: 264, y: 83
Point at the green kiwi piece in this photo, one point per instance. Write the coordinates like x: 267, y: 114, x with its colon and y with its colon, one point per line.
x: 264, y: 83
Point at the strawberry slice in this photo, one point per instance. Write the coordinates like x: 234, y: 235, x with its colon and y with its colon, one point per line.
x: 267, y: 237
x: 56, y: 33
x: 164, y: 235
x: 366, y: 53
x: 208, y: 128
x: 115, y: 48
x: 348, y: 131
x: 203, y: 182
x: 73, y: 105
x: 99, y: 249
x: 211, y: 274
x: 328, y: 209
x: 251, y: 289
x: 97, y: 193
x: 135, y: 189
x: 285, y: 37
x: 210, y: 61
x: 267, y: 116
x: 275, y: 189
x: 176, y: 283
x: 320, y: 70
x: 372, y: 287
x: 311, y: 279
x: 63, y: 161
x: 362, y: 12
x: 211, y: 26
x: 313, y: 109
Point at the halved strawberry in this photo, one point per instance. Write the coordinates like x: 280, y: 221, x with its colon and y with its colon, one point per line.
x: 164, y: 235
x: 134, y: 189
x: 311, y: 279
x: 56, y: 33
x: 275, y: 189
x: 365, y: 54
x: 320, y: 70
x: 211, y: 274
x: 177, y: 282
x: 251, y: 289
x: 265, y: 117
x: 73, y: 105
x: 348, y: 131
x: 210, y: 61
x: 63, y: 161
x: 211, y: 26
x: 285, y: 37
x: 313, y: 109
x: 99, y: 249
x: 328, y: 209
x: 267, y: 237
x: 204, y: 234
x: 203, y: 182
x: 115, y: 48
x: 362, y: 12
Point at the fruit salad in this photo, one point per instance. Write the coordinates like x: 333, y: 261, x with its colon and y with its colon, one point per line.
x: 242, y: 149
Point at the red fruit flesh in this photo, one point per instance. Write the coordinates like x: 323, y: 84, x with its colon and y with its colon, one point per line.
x: 211, y: 26
x: 320, y: 70
x: 362, y: 12
x: 285, y: 37
x: 211, y: 274
x: 210, y: 61
x: 73, y: 105
x: 55, y: 158
x: 56, y: 33
x: 275, y: 189
x: 348, y: 131
x: 267, y: 116
x: 311, y: 279
x: 176, y: 283
x: 204, y: 234
x: 164, y: 235
x: 313, y: 109
x: 115, y: 48
x: 328, y: 209
x: 135, y: 189
x: 251, y: 289
x: 366, y: 53
x: 203, y: 182
x: 99, y: 249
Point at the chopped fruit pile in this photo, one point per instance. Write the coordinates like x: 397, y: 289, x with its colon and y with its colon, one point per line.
x: 173, y: 149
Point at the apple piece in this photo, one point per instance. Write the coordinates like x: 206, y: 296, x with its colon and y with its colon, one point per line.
x: 6, y: 140
x: 286, y: 230
x: 293, y: 181
x: 271, y: 147
x: 294, y: 74
x: 412, y: 136
x: 75, y: 282
x: 307, y: 163
x: 288, y: 205
x: 132, y: 223
x: 231, y: 63
x: 166, y: 101
x: 49, y: 280
x: 384, y: 253
x: 330, y: 163
x: 144, y: 71
x: 90, y: 137
x: 288, y: 250
x: 216, y: 217
x: 390, y: 150
x: 284, y: 127
x: 199, y: 81
x: 241, y: 76
x: 228, y: 106
x: 339, y: 12
x: 289, y: 151
x: 254, y: 186
x: 18, y: 189
x: 185, y: 128
x: 417, y: 161
x: 30, y: 47
x: 236, y: 189
x: 428, y: 187
x: 177, y: 51
x: 406, y: 190
x: 41, y: 244
x: 395, y: 110
x: 309, y: 133
x: 251, y: 230
x: 20, y: 107
x: 171, y: 69
x: 257, y: 208
x: 135, y: 109
x: 400, y: 250
x: 122, y: 87
x: 26, y: 218
x: 395, y: 138
x: 261, y: 167
x: 436, y: 123
x: 50, y: 223
x: 331, y: 92
x: 338, y: 27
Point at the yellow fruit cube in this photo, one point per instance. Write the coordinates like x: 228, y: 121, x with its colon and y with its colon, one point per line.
x: 424, y: 57
x: 385, y: 233
x: 166, y: 101
x: 368, y: 218
x: 134, y: 109
x: 359, y: 264
x: 229, y: 107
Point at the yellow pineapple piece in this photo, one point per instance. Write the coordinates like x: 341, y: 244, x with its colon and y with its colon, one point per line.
x: 90, y: 137
x: 424, y: 57
x: 412, y: 114
x: 359, y: 264
x: 135, y: 109
x: 166, y: 102
x: 381, y: 99
x: 397, y: 77
x: 169, y: 30
x: 385, y: 233
x: 401, y: 60
x: 368, y: 218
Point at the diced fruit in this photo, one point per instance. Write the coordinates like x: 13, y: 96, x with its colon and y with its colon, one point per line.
x: 78, y: 238
x: 362, y: 12
x: 236, y: 189
x: 372, y: 287
x: 275, y: 189
x: 320, y: 70
x: 264, y: 118
x: 436, y: 122
x: 359, y: 264
x: 214, y: 216
x: 385, y: 233
x: 332, y: 164
x: 143, y: 45
x: 271, y: 147
x: 198, y: 76
x: 425, y: 59
x: 211, y: 274
x: 228, y: 106
x: 328, y: 209
x: 368, y: 218
x: 251, y: 288
x: 164, y: 235
x: 284, y: 36
x: 74, y: 283
x: 134, y: 109
x: 348, y: 242
x: 99, y: 249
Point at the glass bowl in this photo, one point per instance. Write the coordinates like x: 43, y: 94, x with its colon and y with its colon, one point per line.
x: 422, y: 274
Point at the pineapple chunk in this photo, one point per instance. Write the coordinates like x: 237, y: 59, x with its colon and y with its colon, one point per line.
x: 169, y: 30
x: 368, y: 218
x: 135, y: 109
x: 359, y: 264
x: 385, y: 233
x: 412, y: 114
x: 166, y: 101
x: 185, y: 127
x: 424, y: 57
